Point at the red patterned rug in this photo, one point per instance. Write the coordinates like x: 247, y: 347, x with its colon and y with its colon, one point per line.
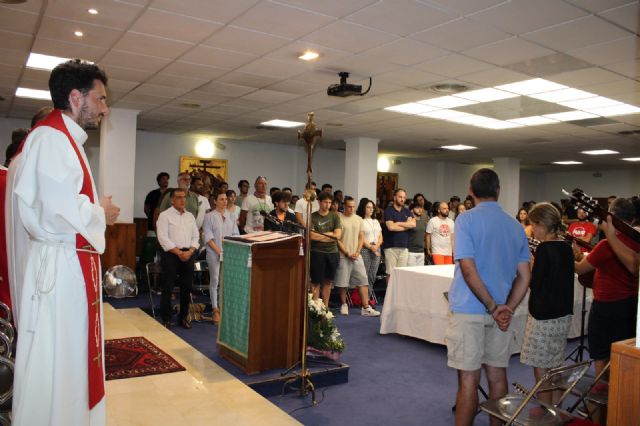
x: 136, y: 357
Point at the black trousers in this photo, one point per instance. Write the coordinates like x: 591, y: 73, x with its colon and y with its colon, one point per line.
x: 172, y: 266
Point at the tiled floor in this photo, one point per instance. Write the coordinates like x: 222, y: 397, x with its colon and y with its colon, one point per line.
x: 204, y: 394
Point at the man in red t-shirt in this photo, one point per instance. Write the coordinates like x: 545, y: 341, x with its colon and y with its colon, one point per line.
x: 615, y: 291
x: 582, y: 229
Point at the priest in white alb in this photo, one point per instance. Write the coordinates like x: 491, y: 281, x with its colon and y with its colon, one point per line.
x: 56, y: 231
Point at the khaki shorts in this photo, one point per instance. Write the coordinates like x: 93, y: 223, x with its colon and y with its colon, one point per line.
x: 474, y: 340
x: 395, y: 257
x: 351, y: 273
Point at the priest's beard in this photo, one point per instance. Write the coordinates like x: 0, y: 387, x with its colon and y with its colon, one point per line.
x: 88, y: 119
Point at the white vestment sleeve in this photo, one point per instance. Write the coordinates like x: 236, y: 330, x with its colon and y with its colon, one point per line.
x: 48, y: 185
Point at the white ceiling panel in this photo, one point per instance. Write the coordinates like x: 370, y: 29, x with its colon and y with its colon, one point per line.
x: 213, y: 10
x: 68, y: 50
x: 630, y: 69
x: 203, y: 72
x: 598, y: 5
x: 170, y: 80
x: 17, y: 21
x: 493, y: 77
x: 13, y: 57
x: 523, y: 16
x: 575, y: 34
x: 586, y: 77
x: 405, y: 52
x: 113, y: 14
x: 158, y: 90
x: 627, y: 16
x: 226, y: 89
x: 401, y: 17
x: 281, y: 20
x: 453, y: 65
x: 15, y: 41
x: 461, y: 34
x: 465, y: 7
x: 134, y: 60
x: 350, y: 37
x: 213, y: 57
x: 609, y: 52
x: 508, y: 51
x: 173, y: 26
x: 54, y: 28
x: 244, y: 40
x: 275, y: 69
x: 151, y: 45
x: 251, y: 80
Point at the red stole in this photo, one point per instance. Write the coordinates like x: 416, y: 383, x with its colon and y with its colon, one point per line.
x: 90, y: 265
x: 4, y: 272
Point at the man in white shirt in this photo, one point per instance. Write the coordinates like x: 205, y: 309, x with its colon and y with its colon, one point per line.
x: 178, y: 236
x: 250, y: 218
x: 301, y: 207
x: 440, y: 236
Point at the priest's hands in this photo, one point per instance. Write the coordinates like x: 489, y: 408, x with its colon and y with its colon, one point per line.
x: 111, y: 211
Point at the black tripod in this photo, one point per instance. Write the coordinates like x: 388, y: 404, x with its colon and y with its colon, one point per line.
x: 577, y: 354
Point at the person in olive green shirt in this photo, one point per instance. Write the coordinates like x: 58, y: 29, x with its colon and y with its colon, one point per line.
x: 184, y: 181
x: 324, y: 257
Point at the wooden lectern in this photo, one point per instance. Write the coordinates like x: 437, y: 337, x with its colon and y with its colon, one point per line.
x: 261, y: 301
x: 624, y: 384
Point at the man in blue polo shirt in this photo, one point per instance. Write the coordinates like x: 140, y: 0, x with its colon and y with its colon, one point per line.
x: 491, y: 278
x: 398, y: 220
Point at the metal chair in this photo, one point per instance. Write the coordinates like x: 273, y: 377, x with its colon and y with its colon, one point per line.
x: 523, y: 409
x: 591, y: 400
x: 5, y: 311
x: 153, y: 270
x: 7, y: 368
x: 6, y: 346
x: 200, y: 276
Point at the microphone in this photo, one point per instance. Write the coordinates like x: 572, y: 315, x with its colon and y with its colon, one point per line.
x: 270, y: 218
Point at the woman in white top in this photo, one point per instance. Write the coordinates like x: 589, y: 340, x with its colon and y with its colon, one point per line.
x: 372, y: 238
x: 232, y: 209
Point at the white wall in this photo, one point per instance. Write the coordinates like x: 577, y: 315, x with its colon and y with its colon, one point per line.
x: 283, y: 165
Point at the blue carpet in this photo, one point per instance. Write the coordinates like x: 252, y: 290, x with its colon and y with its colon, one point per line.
x: 393, y: 380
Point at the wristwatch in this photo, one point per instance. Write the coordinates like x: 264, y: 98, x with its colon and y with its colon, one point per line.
x: 491, y: 311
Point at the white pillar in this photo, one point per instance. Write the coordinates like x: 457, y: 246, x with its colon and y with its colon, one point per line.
x: 508, y: 170
x: 361, y: 168
x: 118, y: 160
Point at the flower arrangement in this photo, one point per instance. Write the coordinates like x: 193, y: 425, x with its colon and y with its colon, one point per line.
x: 323, y: 335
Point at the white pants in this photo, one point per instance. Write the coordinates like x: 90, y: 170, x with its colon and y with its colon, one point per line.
x: 213, y: 261
x: 415, y: 259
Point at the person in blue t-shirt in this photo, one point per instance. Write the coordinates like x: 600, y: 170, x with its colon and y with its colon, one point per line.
x: 491, y: 278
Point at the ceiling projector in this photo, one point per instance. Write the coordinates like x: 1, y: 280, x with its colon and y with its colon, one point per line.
x: 344, y: 89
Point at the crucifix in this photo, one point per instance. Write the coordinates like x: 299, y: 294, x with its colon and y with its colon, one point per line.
x: 310, y: 135
x: 204, y: 166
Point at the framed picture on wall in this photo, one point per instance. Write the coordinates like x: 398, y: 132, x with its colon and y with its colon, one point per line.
x: 213, y: 166
x: 386, y: 183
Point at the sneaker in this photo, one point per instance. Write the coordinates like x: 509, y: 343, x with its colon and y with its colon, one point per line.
x: 369, y: 312
x: 344, y: 309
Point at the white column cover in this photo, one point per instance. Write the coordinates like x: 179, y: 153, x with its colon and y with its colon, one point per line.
x: 118, y: 160
x: 508, y: 170
x: 361, y: 168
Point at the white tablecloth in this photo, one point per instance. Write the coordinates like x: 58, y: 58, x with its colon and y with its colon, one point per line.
x: 414, y: 305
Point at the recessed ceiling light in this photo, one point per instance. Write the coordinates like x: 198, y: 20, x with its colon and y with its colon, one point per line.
x: 599, y: 152
x: 309, y: 55
x: 458, y: 147
x: 78, y: 33
x: 486, y: 95
x: 588, y: 104
x: 567, y: 163
x: 411, y: 108
x: 498, y: 125
x: 23, y: 92
x: 471, y: 119
x: 444, y: 114
x: 570, y: 116
x: 611, y: 111
x: 282, y: 123
x: 93, y: 11
x: 528, y: 87
x: 535, y: 120
x: 44, y: 62
x: 569, y: 94
x: 632, y: 159
x: 447, y: 102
